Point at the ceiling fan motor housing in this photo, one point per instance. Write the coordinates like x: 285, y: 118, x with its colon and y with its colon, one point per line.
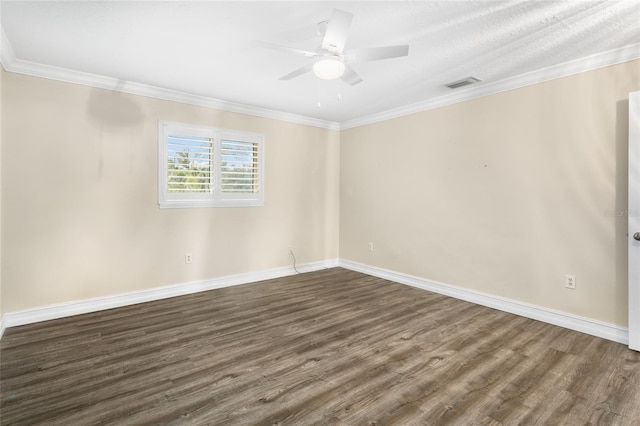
x: 329, y: 67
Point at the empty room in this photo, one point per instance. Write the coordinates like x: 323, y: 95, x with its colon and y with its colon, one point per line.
x: 314, y: 212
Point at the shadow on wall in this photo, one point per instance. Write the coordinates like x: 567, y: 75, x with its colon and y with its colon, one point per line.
x: 113, y: 108
x: 113, y: 112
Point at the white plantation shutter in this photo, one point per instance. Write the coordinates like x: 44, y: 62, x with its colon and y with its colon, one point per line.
x: 206, y: 167
x: 239, y: 166
x: 189, y: 164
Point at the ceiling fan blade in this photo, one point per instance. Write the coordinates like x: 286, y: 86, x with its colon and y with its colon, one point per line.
x: 286, y: 49
x: 376, y: 53
x: 350, y: 76
x: 337, y: 31
x: 302, y: 70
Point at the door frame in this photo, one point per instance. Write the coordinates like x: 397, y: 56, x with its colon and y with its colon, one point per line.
x: 634, y: 220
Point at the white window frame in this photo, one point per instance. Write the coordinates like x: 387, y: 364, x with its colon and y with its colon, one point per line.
x: 216, y: 197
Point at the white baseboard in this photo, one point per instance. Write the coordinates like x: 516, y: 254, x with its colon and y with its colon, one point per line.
x: 45, y: 313
x: 562, y: 319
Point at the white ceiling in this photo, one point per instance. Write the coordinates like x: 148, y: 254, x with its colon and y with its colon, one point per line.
x: 207, y: 48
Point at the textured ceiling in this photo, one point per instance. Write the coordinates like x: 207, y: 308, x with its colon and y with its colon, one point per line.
x: 208, y: 49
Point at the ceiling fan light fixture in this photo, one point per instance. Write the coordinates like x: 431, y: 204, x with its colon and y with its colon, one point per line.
x: 329, y: 68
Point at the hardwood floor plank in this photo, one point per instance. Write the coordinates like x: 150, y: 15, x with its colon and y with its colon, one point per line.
x: 328, y: 347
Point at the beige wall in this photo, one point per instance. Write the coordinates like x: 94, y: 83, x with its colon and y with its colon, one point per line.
x: 504, y: 194
x: 80, y: 214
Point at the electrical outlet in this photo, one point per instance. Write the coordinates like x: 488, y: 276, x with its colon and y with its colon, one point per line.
x: 290, y: 250
x: 570, y: 281
x: 188, y: 258
x: 370, y: 246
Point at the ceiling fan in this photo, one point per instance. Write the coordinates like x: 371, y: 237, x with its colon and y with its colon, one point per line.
x: 331, y: 61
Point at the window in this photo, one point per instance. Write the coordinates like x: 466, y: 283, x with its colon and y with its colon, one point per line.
x: 206, y: 167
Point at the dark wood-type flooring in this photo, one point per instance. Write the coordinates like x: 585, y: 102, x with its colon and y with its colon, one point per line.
x: 328, y: 347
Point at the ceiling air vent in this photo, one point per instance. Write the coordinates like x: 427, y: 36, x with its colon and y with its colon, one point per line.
x: 464, y: 82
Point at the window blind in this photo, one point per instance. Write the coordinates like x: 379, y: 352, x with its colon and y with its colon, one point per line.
x: 201, y: 166
x: 189, y: 164
x: 239, y: 167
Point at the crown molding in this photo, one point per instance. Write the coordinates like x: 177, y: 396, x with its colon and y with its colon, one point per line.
x: 588, y: 63
x: 19, y: 66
